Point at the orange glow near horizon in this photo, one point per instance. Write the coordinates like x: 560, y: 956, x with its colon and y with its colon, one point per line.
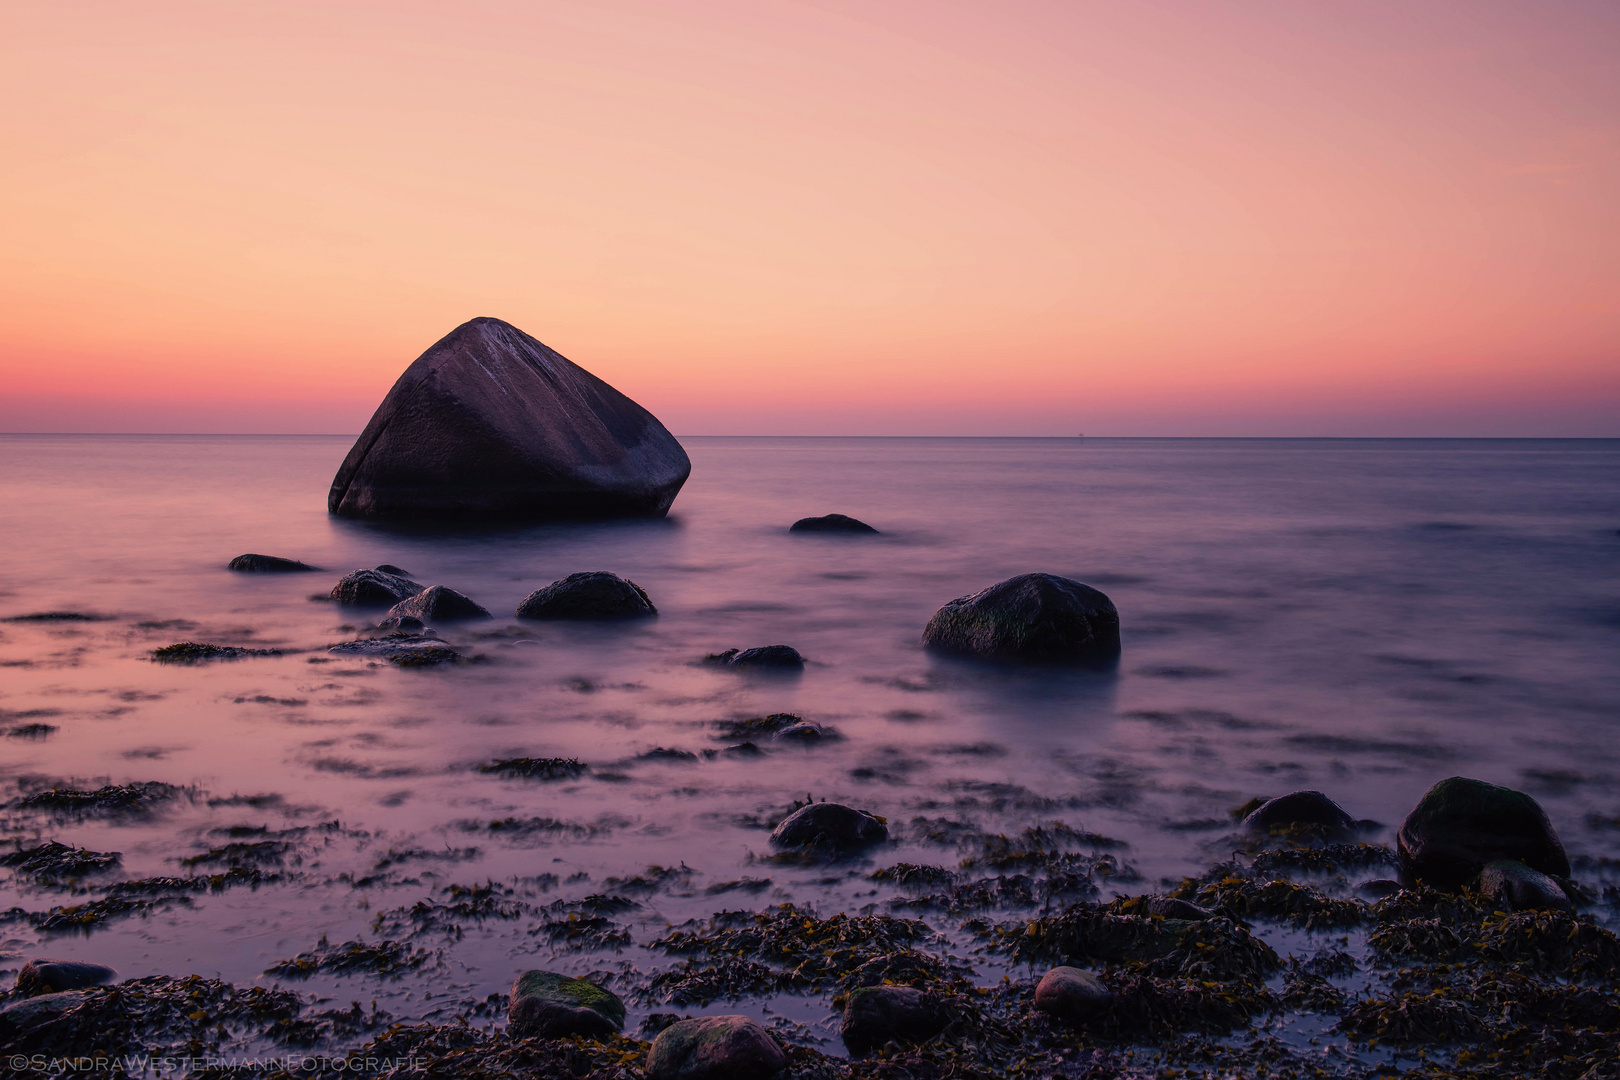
x: 761, y: 217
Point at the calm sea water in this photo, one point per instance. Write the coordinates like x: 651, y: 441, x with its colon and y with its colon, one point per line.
x: 1362, y: 617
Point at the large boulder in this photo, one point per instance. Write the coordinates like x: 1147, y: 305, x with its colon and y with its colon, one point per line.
x: 1460, y: 826
x: 549, y: 1005
x: 47, y: 976
x: 593, y: 595
x: 1037, y: 617
x: 438, y: 604
x: 714, y: 1048
x: 831, y: 827
x: 875, y: 1014
x: 382, y: 587
x: 490, y: 423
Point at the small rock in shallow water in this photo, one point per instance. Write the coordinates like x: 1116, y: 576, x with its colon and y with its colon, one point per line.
x: 269, y: 564
x: 1038, y: 617
x: 189, y: 652
x: 407, y: 650
x: 1304, y: 811
x: 714, y: 1048
x: 592, y: 595
x: 803, y: 732
x: 1513, y: 886
x: 374, y: 588
x: 767, y: 656
x: 833, y: 523
x: 403, y: 624
x: 830, y: 826
x: 550, y: 1005
x: 875, y: 1014
x: 1461, y: 825
x: 1072, y: 994
x: 45, y: 976
x: 438, y: 604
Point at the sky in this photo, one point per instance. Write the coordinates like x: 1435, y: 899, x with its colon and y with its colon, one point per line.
x: 1020, y: 217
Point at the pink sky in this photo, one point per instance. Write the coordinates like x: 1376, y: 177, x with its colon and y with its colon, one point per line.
x: 1133, y: 218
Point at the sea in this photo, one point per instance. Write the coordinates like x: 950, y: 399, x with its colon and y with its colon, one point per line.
x: 1358, y: 617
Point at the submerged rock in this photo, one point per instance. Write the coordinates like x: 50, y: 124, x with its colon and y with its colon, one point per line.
x: 1513, y: 886
x: 1303, y: 811
x: 714, y: 1048
x: 374, y: 588
x: 404, y: 649
x: 269, y: 564
x: 1461, y: 825
x: 783, y: 657
x: 438, y: 604
x: 875, y: 1014
x: 490, y: 423
x: 403, y: 624
x: 31, y: 1013
x: 190, y: 652
x: 593, y: 595
x: 831, y: 523
x: 1030, y: 617
x: 550, y: 1005
x: 1072, y: 994
x: 45, y: 976
x: 830, y: 826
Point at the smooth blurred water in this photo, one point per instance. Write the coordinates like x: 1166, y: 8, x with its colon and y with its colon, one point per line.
x: 1363, y: 617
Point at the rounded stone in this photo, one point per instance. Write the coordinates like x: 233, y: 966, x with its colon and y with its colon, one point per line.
x: 268, y: 564
x: 831, y: 523
x: 1513, y: 886
x: 374, y: 588
x: 1299, y: 810
x: 831, y: 826
x: 19, y: 1017
x: 1071, y: 994
x: 1461, y: 825
x: 438, y: 604
x: 714, y: 1048
x: 545, y: 1004
x: 1038, y: 617
x: 595, y: 594
x: 875, y: 1014
x: 50, y: 976
x: 768, y: 656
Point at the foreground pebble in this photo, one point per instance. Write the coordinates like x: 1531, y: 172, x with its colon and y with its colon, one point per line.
x: 50, y: 976
x: 549, y: 1005
x: 1071, y: 994
x: 875, y: 1014
x: 714, y: 1048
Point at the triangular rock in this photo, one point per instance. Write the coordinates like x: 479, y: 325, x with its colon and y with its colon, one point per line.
x: 490, y: 423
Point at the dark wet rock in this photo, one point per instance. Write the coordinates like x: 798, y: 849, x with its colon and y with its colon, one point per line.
x: 57, y: 616
x: 1072, y: 994
x: 191, y: 652
x: 803, y: 732
x: 374, y: 588
x: 438, y: 604
x: 1169, y: 907
x: 554, y: 768
x: 784, y: 657
x: 714, y: 1048
x: 390, y: 568
x: 1037, y: 617
x: 1461, y: 825
x: 46, y: 976
x: 490, y: 423
x: 873, y: 1015
x: 269, y: 564
x: 1308, y: 812
x: 406, y: 650
x: 30, y: 1014
x: 666, y: 753
x: 758, y: 727
x: 550, y: 1005
x: 830, y: 826
x: 403, y: 624
x: 1378, y: 888
x: 30, y: 731
x: 740, y: 750
x: 1513, y: 886
x: 53, y: 863
x: 831, y: 523
x: 596, y: 594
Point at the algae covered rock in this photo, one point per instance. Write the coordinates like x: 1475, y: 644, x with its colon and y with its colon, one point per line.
x: 402, y: 648
x: 438, y: 604
x: 490, y: 423
x: 594, y: 595
x: 1513, y: 886
x: 381, y: 587
x: 832, y: 523
x: 1302, y: 811
x: 269, y: 564
x: 875, y: 1014
x: 830, y: 826
x: 1461, y: 825
x: 550, y: 1005
x: 1038, y: 617
x: 1071, y: 994
x: 47, y: 976
x: 714, y: 1048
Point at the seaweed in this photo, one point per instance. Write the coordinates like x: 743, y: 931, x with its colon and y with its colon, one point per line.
x: 388, y: 958
x: 554, y: 768
x: 582, y: 931
x: 91, y: 914
x: 157, y: 886
x: 54, y: 863
x: 1215, y: 948
x: 191, y: 652
x: 1282, y: 901
x: 114, y: 799
x: 465, y: 903
x: 244, y: 853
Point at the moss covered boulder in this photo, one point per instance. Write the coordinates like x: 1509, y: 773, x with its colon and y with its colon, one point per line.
x: 714, y: 1048
x: 1038, y: 617
x: 549, y: 1005
x: 1460, y: 826
x: 595, y: 594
